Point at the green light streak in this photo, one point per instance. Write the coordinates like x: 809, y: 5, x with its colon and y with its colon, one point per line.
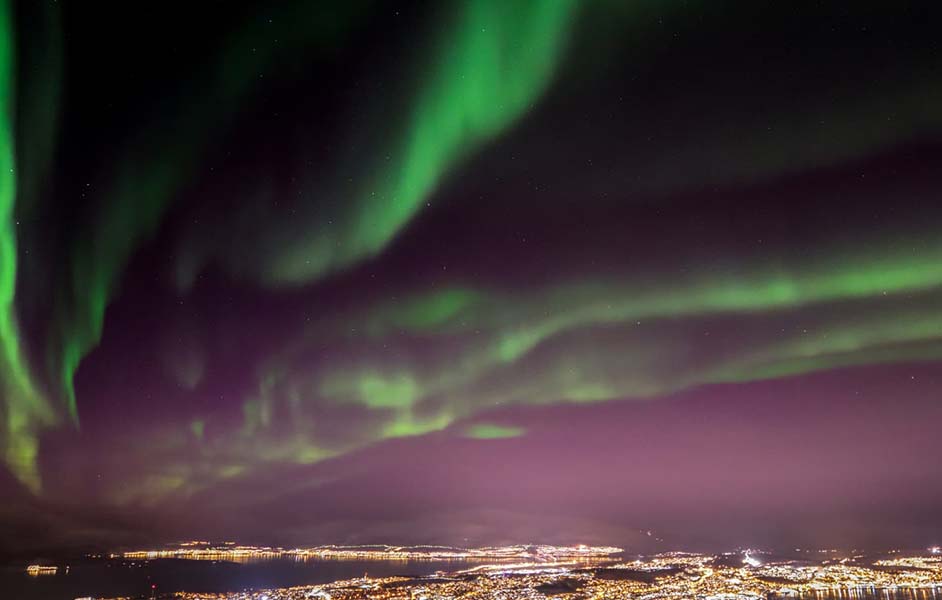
x: 913, y: 334
x: 25, y: 411
x: 495, y: 61
x: 430, y: 312
x: 488, y: 431
x: 520, y: 322
x: 846, y: 277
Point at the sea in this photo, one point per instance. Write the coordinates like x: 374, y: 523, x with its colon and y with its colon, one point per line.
x: 111, y: 578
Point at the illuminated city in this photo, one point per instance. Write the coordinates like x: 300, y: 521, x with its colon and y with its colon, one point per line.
x: 198, y: 550
x: 668, y: 576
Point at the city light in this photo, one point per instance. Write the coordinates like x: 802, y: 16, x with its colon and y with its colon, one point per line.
x: 198, y: 550
x: 665, y: 576
x: 36, y: 570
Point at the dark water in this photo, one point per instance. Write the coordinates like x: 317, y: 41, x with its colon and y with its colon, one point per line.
x: 111, y: 578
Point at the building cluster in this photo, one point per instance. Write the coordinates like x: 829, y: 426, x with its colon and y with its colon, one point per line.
x: 671, y: 576
x: 230, y: 551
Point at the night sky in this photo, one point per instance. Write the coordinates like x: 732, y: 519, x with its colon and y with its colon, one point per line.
x: 471, y: 272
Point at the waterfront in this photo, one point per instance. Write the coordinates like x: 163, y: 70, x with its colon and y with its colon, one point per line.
x: 536, y: 574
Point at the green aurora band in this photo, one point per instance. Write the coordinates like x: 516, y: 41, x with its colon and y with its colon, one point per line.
x: 496, y: 59
x: 24, y: 410
x: 571, y: 341
x: 489, y: 431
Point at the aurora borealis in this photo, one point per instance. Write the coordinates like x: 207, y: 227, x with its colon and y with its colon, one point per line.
x: 471, y: 269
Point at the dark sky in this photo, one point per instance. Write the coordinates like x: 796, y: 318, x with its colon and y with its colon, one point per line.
x: 471, y: 272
